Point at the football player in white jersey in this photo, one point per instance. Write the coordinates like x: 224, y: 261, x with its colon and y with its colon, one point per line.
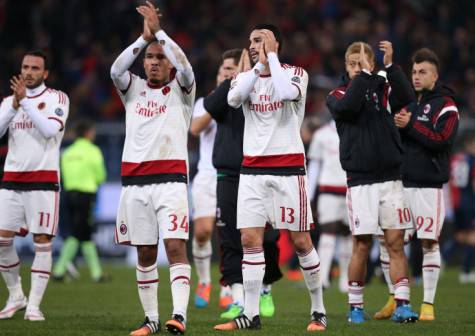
x: 272, y: 186
x: 29, y: 202
x: 204, y: 203
x: 154, y: 196
x: 324, y: 171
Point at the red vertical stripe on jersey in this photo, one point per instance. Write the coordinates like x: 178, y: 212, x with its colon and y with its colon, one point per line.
x: 300, y: 203
x: 284, y: 160
x: 154, y: 167
x: 48, y: 176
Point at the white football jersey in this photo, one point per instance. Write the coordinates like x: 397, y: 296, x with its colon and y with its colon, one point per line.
x: 32, y: 161
x: 206, y: 140
x: 272, y: 126
x: 325, y: 149
x: 157, y: 122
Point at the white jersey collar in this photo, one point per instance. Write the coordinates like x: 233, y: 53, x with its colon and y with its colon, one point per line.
x: 32, y: 93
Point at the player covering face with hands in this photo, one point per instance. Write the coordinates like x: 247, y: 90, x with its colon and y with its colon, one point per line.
x: 272, y: 185
x: 154, y: 166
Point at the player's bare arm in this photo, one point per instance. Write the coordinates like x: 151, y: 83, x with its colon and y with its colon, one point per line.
x: 200, y: 124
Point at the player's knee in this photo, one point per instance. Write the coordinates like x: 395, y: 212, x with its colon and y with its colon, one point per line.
x: 176, y: 250
x: 428, y: 244
x: 249, y: 240
x: 202, y: 236
x: 42, y: 238
x: 302, y: 242
x: 361, y: 247
x: 147, y: 255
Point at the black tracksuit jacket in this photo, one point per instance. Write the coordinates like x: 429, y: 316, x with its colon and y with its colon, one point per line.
x: 370, y: 144
x: 428, y: 138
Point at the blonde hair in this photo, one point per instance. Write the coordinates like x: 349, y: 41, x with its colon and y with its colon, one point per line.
x: 355, y: 47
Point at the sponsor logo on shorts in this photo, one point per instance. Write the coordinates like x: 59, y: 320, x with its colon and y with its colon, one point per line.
x: 123, y: 228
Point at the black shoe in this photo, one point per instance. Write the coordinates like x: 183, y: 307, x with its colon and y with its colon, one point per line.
x: 318, y: 322
x: 242, y: 322
x: 176, y: 325
x: 152, y: 327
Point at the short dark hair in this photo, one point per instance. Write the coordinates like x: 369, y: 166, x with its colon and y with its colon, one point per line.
x: 426, y: 55
x: 275, y: 30
x: 235, y: 54
x: 83, y: 126
x: 39, y: 53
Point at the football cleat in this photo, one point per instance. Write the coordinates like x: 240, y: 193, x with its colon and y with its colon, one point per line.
x: 34, y: 314
x: 147, y: 328
x: 233, y: 311
x: 427, y: 312
x: 266, y: 305
x: 176, y: 325
x: 404, y: 314
x: 240, y: 322
x: 387, y: 311
x: 202, y: 295
x: 12, y: 307
x: 356, y: 315
x: 318, y: 322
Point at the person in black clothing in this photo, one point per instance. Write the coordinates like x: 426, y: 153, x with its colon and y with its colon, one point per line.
x: 227, y: 159
x: 371, y: 154
x: 428, y: 128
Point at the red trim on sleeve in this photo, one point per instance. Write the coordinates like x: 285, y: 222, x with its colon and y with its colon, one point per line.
x: 337, y: 93
x: 58, y: 120
x: 154, y: 167
x: 442, y: 136
x: 449, y: 102
x: 283, y: 160
x: 386, y: 96
x: 48, y: 176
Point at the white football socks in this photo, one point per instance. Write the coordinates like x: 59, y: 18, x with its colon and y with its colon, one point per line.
x: 384, y: 258
x: 180, y: 285
x: 253, y: 269
x: 202, y: 259
x: 326, y: 249
x: 430, y: 272
x: 310, y: 265
x: 147, y: 284
x: 10, y: 268
x: 40, y: 274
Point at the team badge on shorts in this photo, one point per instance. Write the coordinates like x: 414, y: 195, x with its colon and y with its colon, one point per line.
x: 59, y: 112
x: 426, y: 108
x: 123, y: 228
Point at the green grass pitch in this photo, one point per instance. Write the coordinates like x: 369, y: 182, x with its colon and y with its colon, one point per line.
x: 84, y: 308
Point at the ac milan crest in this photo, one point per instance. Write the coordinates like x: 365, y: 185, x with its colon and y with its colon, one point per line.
x: 41, y: 105
x: 166, y: 90
x: 123, y: 229
x: 426, y: 108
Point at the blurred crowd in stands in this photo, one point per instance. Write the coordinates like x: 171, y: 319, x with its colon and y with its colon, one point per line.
x: 84, y: 36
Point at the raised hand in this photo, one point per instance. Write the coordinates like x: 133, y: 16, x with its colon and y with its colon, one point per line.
x: 151, y: 16
x: 364, y: 64
x: 17, y: 84
x: 147, y: 33
x: 263, y: 53
x: 387, y: 48
x: 402, y: 118
x: 244, y: 62
x: 269, y: 41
